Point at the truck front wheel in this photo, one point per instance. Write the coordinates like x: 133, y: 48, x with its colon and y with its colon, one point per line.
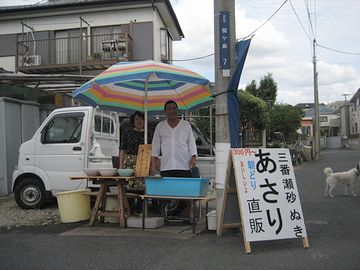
x: 30, y: 194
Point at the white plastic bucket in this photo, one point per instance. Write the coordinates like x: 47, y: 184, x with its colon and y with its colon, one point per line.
x: 74, y: 205
x: 112, y: 204
x: 211, y: 219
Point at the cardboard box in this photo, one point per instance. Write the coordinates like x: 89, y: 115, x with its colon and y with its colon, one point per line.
x: 177, y: 186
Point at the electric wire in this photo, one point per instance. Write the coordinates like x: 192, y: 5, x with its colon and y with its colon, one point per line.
x: 253, y: 32
x: 251, y: 35
x: 335, y: 50
x: 314, y: 32
x: 302, y: 26
x: 315, y: 16
x: 196, y: 58
x: 309, y: 17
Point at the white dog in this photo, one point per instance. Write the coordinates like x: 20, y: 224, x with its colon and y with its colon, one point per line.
x: 347, y: 178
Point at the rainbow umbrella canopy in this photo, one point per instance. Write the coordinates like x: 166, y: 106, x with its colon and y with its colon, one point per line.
x: 145, y: 86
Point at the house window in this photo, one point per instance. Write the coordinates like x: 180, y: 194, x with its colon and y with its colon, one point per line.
x: 324, y: 131
x: 164, y: 45
x: 356, y: 127
x: 8, y: 43
x: 103, y: 37
x: 67, y: 46
x: 323, y: 119
x: 334, y: 131
x: 306, y: 130
x: 110, y: 30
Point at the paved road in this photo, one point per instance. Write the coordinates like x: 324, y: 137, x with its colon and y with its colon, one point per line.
x: 333, y: 227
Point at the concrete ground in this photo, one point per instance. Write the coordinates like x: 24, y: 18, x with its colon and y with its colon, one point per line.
x: 333, y: 228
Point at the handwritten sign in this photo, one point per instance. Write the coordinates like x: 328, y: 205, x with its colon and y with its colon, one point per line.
x: 268, y: 195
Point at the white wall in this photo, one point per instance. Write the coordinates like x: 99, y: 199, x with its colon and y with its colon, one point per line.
x: 333, y: 142
x: 329, y: 117
x: 70, y: 21
x: 8, y: 62
x: 355, y: 117
x: 158, y: 23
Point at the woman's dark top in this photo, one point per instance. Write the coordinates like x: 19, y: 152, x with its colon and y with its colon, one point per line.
x: 131, y: 141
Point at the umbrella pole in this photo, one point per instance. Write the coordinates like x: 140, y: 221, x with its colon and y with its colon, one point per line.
x: 145, y: 113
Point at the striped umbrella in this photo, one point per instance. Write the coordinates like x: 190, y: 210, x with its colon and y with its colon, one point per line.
x: 145, y: 86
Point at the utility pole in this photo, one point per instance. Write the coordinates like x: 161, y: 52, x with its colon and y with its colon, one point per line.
x: 345, y: 95
x: 225, y: 61
x: 225, y: 64
x: 316, y: 142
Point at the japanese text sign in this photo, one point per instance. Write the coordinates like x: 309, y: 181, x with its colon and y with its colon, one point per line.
x: 269, y: 198
x: 224, y: 39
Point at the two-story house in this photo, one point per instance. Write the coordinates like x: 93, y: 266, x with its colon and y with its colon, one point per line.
x: 85, y: 37
x: 329, y: 123
x: 350, y: 121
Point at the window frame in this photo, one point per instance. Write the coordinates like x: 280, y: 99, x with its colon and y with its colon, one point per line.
x: 109, y: 130
x: 166, y: 40
x: 45, y: 137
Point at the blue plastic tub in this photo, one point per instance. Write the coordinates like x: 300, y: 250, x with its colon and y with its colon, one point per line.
x: 177, y: 186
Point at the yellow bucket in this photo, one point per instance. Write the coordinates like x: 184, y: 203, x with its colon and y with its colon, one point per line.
x: 74, y: 205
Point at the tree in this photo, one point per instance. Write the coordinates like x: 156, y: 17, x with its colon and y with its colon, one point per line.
x: 286, y: 119
x: 252, y: 88
x: 253, y: 112
x: 267, y: 89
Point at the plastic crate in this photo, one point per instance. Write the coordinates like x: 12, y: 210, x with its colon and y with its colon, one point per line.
x: 177, y: 186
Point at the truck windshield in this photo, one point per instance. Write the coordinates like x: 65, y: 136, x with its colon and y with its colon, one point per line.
x: 64, y: 128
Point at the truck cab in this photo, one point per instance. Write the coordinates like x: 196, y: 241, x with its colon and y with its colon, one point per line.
x: 69, y: 140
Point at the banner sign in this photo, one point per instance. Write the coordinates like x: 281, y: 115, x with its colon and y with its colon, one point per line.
x: 269, y: 198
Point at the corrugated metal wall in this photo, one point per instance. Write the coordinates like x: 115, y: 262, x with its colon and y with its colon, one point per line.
x: 18, y: 121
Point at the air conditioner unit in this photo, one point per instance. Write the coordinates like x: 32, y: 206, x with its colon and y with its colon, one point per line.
x: 30, y: 60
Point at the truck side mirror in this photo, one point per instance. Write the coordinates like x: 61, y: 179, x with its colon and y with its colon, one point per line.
x: 198, y: 142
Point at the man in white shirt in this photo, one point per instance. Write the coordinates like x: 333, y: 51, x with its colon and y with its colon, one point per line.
x: 174, y: 141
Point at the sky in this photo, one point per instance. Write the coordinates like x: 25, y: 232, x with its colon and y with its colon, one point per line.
x: 280, y: 47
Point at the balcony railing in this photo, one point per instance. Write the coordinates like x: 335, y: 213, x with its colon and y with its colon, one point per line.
x: 73, y: 54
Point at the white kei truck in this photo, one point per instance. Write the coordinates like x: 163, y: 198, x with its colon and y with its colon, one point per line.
x: 67, y: 142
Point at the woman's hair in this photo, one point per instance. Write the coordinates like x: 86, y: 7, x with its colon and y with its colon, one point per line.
x: 132, y: 117
x: 170, y: 102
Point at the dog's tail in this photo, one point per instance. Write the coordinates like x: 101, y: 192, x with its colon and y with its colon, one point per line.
x: 328, y: 171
